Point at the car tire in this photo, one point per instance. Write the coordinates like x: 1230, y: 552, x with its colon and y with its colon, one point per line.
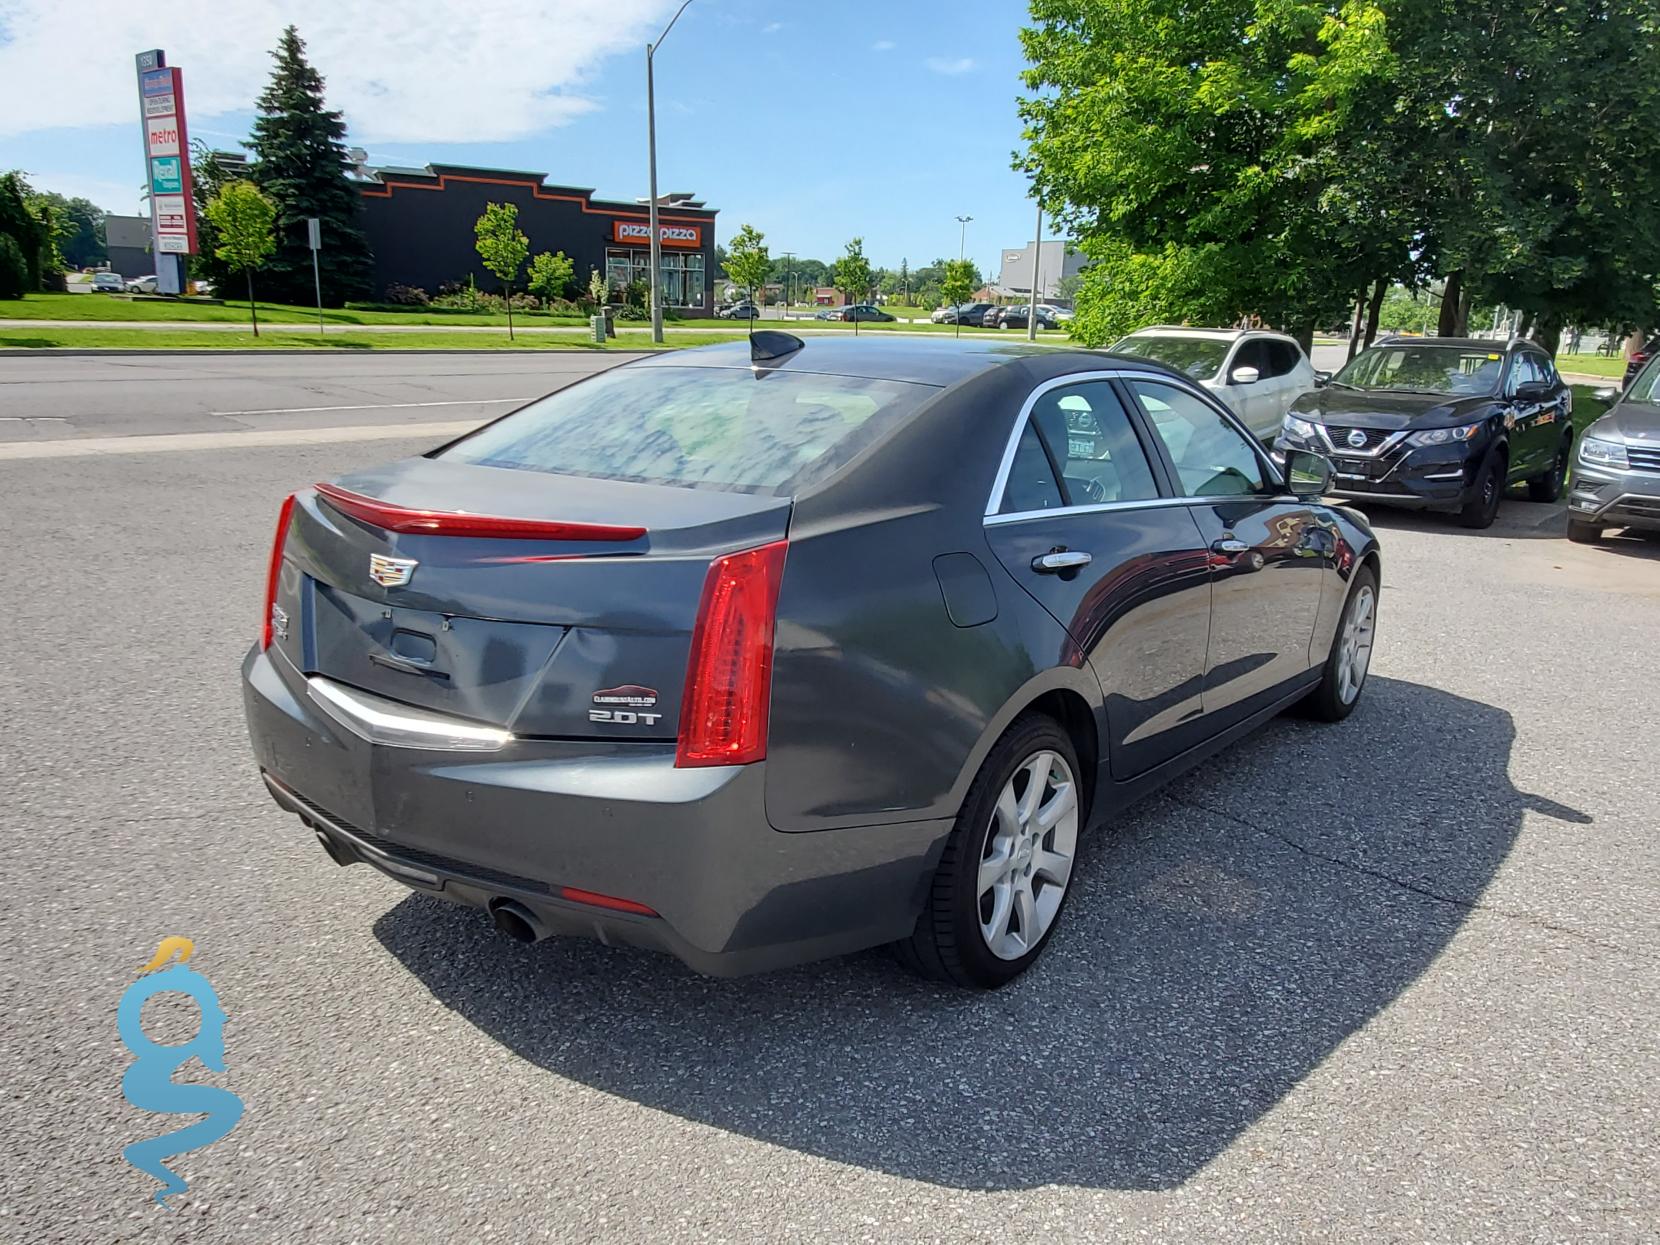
x: 1548, y: 487
x: 1483, y: 506
x: 1584, y: 533
x: 1344, y: 677
x: 1004, y: 877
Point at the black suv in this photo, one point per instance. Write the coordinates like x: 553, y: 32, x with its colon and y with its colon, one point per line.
x: 1441, y: 423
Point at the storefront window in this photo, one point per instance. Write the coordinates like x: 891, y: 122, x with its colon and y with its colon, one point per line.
x: 682, y: 275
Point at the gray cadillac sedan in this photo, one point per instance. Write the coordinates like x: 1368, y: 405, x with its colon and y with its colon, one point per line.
x: 1617, y: 476
x: 771, y: 651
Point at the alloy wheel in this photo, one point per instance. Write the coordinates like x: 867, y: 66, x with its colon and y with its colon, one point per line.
x: 1027, y: 858
x: 1354, y: 654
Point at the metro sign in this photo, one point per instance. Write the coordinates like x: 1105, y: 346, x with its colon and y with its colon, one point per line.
x: 162, y: 133
x: 639, y: 231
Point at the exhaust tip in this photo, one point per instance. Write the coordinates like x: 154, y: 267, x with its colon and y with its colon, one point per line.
x: 336, y: 853
x: 517, y: 921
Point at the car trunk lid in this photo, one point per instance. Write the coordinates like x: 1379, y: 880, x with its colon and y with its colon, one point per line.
x: 565, y: 608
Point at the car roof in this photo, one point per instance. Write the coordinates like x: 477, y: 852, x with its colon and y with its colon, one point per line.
x: 1187, y: 330
x: 921, y: 359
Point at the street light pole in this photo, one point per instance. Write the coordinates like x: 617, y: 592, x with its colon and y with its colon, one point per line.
x: 651, y: 147
x: 1037, y: 267
x: 962, y: 241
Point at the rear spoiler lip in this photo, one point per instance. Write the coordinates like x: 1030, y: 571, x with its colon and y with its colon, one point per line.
x: 393, y: 518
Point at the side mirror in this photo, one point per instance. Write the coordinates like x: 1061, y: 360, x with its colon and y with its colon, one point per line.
x: 1245, y: 376
x: 1307, y: 474
x: 1607, y: 396
x: 1322, y: 378
x: 1534, y: 389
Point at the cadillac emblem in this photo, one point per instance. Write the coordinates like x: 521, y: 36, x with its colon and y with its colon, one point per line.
x: 391, y: 572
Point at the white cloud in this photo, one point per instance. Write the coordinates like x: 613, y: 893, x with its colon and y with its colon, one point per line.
x: 948, y: 65
x: 771, y: 28
x: 433, y: 71
x: 883, y: 45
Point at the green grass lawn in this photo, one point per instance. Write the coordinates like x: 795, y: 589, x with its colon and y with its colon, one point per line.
x: 185, y: 338
x: 121, y: 307
x: 1591, y: 365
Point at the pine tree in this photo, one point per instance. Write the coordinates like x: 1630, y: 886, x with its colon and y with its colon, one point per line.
x: 300, y: 164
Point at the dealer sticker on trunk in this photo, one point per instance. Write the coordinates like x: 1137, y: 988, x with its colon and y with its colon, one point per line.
x: 630, y: 698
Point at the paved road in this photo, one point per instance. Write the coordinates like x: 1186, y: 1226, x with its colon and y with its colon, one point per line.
x: 77, y: 396
x: 1393, y: 980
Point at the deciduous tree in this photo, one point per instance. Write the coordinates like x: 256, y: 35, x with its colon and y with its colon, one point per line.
x: 550, y: 275
x: 243, y: 221
x: 747, y: 261
x: 502, y: 247
x: 853, y: 275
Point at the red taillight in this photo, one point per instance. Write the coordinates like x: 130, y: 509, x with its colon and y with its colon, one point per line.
x: 596, y: 900
x: 723, y: 713
x: 274, y: 572
x: 392, y: 518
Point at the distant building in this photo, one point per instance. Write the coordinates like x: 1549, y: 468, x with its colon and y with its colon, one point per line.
x: 1059, y: 259
x: 127, y: 239
x: 828, y: 296
x: 419, y: 223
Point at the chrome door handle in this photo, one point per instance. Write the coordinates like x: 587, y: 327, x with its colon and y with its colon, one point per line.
x: 1229, y: 545
x: 1060, y: 560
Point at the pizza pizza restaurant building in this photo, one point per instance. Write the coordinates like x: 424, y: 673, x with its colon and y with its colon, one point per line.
x: 419, y: 223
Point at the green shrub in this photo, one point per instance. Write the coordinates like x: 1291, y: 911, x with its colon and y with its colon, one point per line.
x: 14, y: 272
x: 407, y: 296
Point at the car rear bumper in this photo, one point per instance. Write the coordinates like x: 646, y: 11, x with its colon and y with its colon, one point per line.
x: 1615, y: 498
x: 539, y: 819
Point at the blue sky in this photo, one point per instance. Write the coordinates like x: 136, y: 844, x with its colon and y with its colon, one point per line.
x: 812, y: 121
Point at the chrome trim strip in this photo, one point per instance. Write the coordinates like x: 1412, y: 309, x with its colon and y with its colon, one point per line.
x: 995, y: 501
x: 1388, y: 443
x: 395, y: 725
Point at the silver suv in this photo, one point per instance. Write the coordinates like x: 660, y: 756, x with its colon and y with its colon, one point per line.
x: 1258, y: 374
x: 1617, y: 473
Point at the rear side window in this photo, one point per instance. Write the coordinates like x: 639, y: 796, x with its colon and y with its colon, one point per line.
x: 1283, y: 357
x: 1083, y: 431
x: 717, y: 428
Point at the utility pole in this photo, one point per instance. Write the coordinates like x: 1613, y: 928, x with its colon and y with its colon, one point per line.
x: 651, y: 150
x: 1037, y: 284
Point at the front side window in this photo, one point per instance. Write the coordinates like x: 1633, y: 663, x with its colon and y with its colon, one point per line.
x: 1522, y: 372
x: 1212, y: 457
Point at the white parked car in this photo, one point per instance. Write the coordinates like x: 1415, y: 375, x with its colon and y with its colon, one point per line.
x: 142, y: 285
x: 1257, y: 374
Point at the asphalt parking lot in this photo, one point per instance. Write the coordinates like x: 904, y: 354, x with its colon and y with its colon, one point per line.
x: 1392, y: 980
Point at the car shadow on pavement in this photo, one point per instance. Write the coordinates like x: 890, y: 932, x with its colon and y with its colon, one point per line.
x: 1223, y: 938
x: 1518, y: 519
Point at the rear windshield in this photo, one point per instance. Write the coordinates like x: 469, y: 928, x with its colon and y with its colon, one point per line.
x: 699, y: 427
x: 1197, y: 357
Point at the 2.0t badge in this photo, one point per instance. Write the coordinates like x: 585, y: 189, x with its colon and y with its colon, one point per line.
x: 391, y: 572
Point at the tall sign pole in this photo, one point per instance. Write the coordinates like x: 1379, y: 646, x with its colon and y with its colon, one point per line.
x: 167, y: 166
